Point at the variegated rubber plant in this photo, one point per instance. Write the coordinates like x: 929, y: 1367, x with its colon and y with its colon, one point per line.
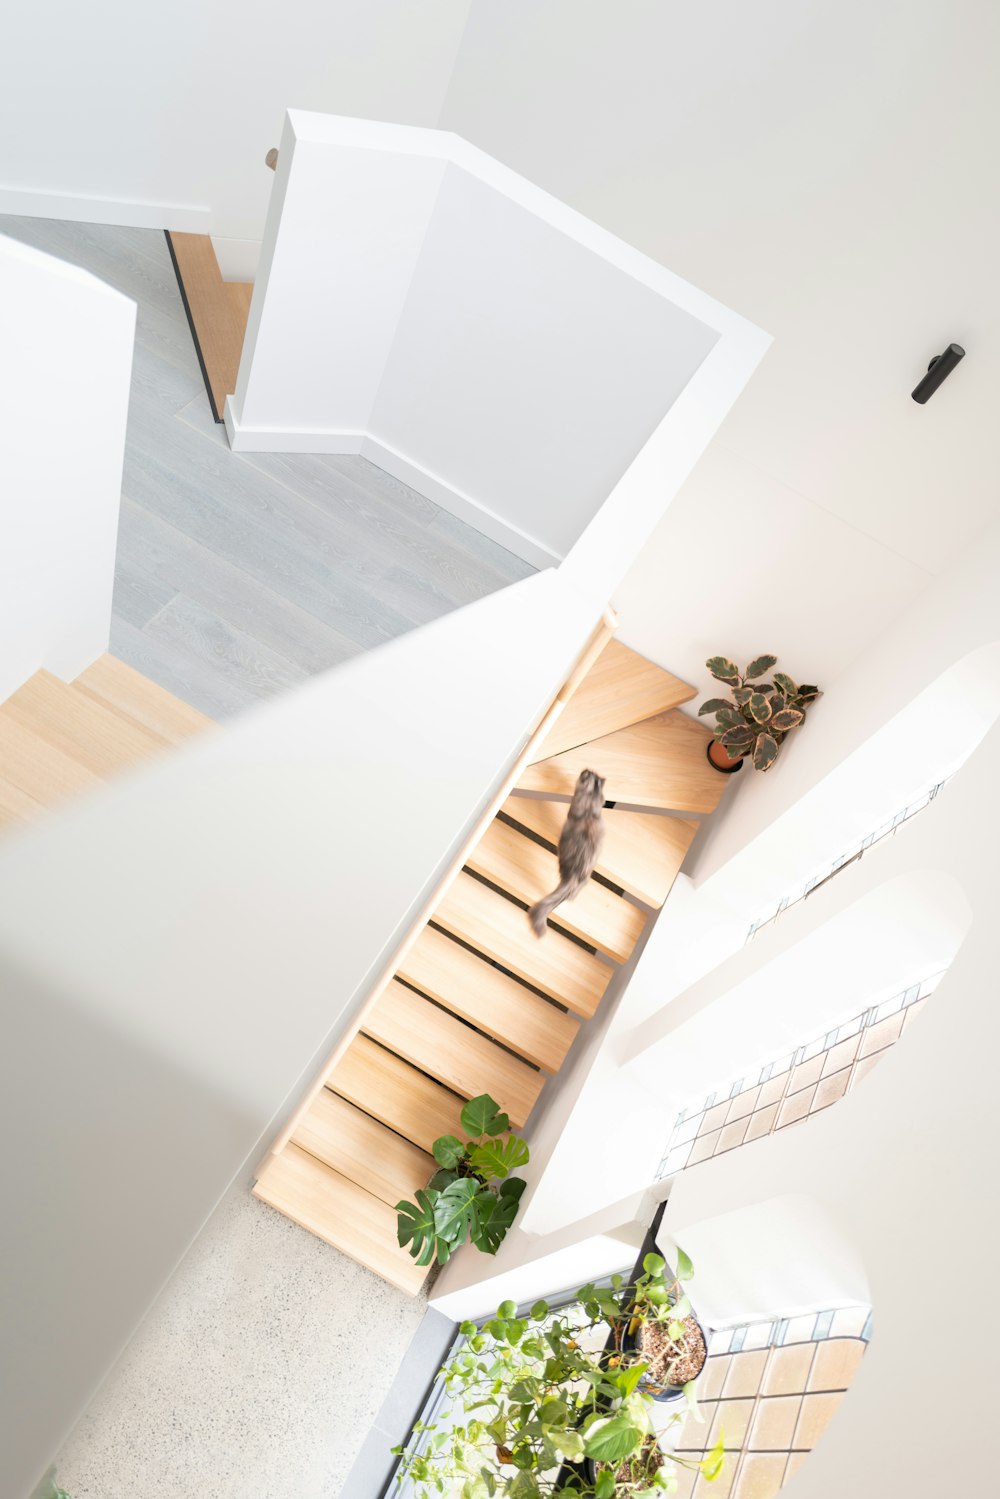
x: 755, y: 720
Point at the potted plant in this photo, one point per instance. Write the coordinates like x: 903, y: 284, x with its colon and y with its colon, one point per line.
x: 536, y: 1412
x: 472, y: 1196
x: 652, y: 1322
x: 754, y: 721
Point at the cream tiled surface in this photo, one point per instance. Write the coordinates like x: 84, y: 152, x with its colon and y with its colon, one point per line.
x: 776, y: 1400
x: 773, y: 1424
x: 795, y: 1108
x: 788, y: 1370
x: 780, y: 1093
x: 745, y: 1373
x: 816, y: 1414
x: 835, y: 1365
x: 831, y: 1089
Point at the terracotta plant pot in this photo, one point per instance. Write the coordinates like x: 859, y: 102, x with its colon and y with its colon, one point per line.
x: 719, y: 759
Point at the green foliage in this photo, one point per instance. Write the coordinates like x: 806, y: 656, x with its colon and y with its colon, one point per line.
x: 526, y: 1394
x: 756, y: 719
x: 473, y: 1196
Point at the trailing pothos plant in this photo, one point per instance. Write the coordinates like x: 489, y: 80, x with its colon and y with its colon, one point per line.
x: 473, y: 1195
x: 528, y: 1395
x: 652, y: 1321
x: 759, y: 714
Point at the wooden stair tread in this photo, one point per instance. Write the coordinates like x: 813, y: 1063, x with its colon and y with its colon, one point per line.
x: 218, y: 311
x: 660, y: 762
x: 451, y: 1051
x: 471, y: 987
x: 363, y: 1150
x: 621, y: 688
x: 554, y: 963
x: 16, y: 806
x: 36, y: 766
x: 115, y: 685
x: 340, y: 1212
x: 79, y: 727
x: 508, y: 858
x: 392, y: 1091
x: 642, y: 851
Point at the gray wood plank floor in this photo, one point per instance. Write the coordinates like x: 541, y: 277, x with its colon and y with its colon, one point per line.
x: 239, y: 575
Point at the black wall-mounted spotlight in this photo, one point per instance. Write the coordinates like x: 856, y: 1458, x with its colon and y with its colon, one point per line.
x: 938, y: 371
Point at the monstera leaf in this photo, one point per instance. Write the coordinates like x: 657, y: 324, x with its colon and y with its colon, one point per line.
x: 416, y: 1228
x: 499, y: 1157
x: 494, y: 1214
x: 482, y: 1116
x: 454, y: 1213
x: 448, y: 1150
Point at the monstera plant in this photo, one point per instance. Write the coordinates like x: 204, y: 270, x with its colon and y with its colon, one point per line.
x: 755, y: 719
x: 473, y: 1196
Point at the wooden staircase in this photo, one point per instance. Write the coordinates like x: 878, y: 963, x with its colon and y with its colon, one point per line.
x: 477, y: 1004
x: 58, y: 739
x: 217, y: 313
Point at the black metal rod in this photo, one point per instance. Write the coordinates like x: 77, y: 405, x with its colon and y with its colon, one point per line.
x: 938, y: 371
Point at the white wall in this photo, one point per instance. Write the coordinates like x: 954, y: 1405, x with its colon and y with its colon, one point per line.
x: 527, y: 371
x: 164, y: 118
x: 344, y: 235
x: 422, y: 305
x: 783, y: 157
x: 65, y: 366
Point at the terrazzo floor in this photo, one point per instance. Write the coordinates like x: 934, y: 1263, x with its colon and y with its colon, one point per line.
x: 256, y: 1375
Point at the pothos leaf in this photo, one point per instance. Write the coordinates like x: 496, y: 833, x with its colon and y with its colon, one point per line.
x: 611, y: 1439
x: 685, y: 1269
x: 711, y: 1463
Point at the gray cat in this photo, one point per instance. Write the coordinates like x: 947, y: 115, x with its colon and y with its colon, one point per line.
x: 579, y: 846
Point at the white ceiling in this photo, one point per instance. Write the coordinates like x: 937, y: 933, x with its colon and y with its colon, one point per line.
x: 828, y: 169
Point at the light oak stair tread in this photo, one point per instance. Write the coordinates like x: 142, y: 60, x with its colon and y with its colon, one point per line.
x: 554, y: 963
x: 642, y: 851
x: 362, y: 1149
x: 471, y: 987
x: 621, y: 688
x: 79, y: 727
x: 392, y: 1091
x: 508, y: 858
x: 340, y: 1212
x: 16, y: 806
x: 218, y: 309
x: 658, y: 763
x: 119, y: 687
x: 451, y: 1051
x: 37, y: 767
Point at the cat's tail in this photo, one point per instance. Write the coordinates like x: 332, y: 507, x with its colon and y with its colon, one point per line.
x: 539, y: 914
